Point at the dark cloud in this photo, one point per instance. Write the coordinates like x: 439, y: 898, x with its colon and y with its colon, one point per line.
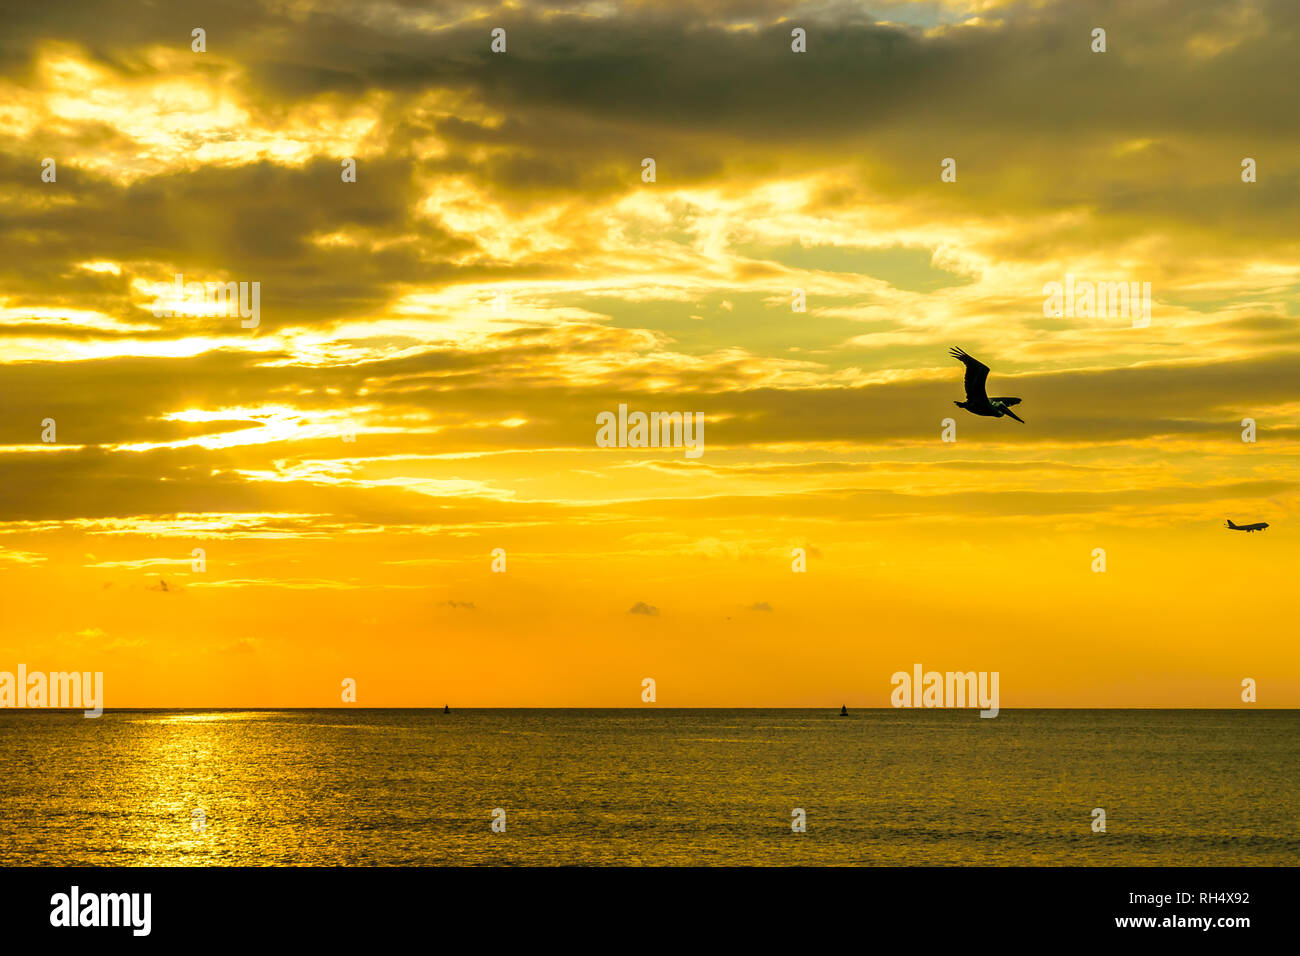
x: 1143, y: 141
x: 252, y: 223
x: 1187, y: 399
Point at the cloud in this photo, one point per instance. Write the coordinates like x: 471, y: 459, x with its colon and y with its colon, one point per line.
x: 640, y: 607
x: 143, y: 563
x: 21, y: 557
x: 240, y: 647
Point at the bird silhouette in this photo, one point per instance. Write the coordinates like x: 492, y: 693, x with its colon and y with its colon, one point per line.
x: 977, y: 398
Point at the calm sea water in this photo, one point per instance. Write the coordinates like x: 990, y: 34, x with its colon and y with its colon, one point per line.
x: 367, y: 787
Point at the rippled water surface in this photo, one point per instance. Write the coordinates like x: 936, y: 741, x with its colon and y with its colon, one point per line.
x: 366, y: 787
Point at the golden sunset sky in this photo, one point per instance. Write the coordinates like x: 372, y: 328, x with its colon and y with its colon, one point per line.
x: 520, y: 173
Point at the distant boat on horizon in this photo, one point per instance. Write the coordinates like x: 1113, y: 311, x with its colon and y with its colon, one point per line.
x: 844, y: 710
x: 446, y: 709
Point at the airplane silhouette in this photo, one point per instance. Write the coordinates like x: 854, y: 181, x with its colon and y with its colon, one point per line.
x: 1258, y: 526
x: 977, y: 399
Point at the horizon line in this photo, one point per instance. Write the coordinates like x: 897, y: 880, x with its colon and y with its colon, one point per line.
x: 106, y: 710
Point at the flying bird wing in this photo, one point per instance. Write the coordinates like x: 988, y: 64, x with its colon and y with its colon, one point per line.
x: 977, y: 373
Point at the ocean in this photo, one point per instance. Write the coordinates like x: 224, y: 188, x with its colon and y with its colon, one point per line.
x: 649, y: 787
